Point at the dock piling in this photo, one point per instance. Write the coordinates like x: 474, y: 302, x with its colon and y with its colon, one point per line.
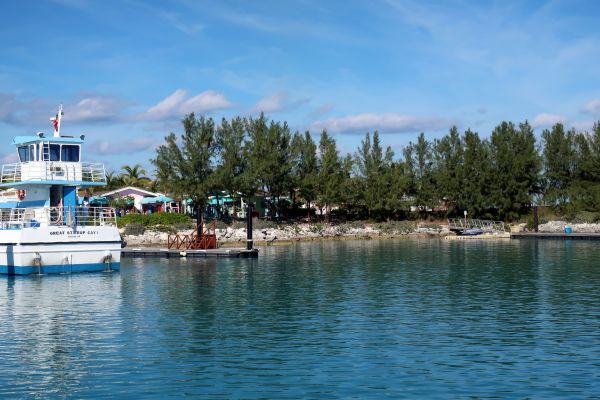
x: 249, y: 241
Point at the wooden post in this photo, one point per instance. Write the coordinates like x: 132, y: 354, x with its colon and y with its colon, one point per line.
x: 249, y: 241
x: 199, y: 221
x: 536, y: 220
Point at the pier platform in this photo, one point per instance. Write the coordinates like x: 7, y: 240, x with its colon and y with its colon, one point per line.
x: 555, y: 236
x: 485, y: 236
x: 166, y: 253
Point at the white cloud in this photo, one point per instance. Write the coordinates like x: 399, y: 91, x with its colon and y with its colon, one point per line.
x: 545, y: 120
x: 277, y: 102
x: 383, y: 122
x: 178, y: 104
x: 94, y: 108
x: 272, y: 103
x: 592, y: 107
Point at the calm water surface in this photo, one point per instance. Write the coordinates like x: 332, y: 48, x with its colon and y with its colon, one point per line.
x: 374, y: 319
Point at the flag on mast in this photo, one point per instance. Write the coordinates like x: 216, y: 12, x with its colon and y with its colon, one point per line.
x: 56, y: 121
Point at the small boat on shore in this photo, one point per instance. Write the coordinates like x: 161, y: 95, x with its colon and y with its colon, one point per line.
x: 42, y: 228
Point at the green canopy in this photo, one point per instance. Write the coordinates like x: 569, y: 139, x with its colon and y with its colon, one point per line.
x: 156, y: 200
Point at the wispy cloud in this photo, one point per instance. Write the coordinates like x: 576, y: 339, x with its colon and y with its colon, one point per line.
x: 592, y: 107
x: 383, y: 122
x: 277, y: 102
x: 176, y: 21
x: 95, y: 108
x: 17, y: 111
x: 582, y: 126
x: 137, y: 145
x: 9, y: 158
x: 178, y: 104
x: 321, y: 110
x: 309, y: 27
x: 545, y: 120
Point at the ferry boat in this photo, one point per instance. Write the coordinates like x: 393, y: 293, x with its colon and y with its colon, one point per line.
x: 43, y: 230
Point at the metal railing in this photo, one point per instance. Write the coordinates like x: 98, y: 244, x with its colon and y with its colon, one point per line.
x: 18, y: 218
x: 461, y: 224
x: 54, y: 171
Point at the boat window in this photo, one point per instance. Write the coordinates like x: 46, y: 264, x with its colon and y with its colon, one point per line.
x: 32, y: 152
x: 70, y: 153
x: 23, y: 153
x: 55, y: 152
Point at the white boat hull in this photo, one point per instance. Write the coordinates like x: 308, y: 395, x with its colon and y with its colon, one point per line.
x: 59, y: 249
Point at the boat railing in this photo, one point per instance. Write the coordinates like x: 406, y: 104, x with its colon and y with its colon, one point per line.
x: 53, y: 171
x: 18, y: 218
x: 461, y: 224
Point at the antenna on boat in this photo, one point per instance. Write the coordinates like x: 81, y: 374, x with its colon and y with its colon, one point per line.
x: 56, y: 121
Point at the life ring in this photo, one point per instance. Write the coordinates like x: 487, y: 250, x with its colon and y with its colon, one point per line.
x: 21, y: 194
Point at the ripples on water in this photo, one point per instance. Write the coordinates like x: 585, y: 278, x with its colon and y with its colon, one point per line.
x: 375, y: 319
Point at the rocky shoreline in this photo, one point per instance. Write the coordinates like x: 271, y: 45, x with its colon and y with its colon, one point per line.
x: 294, y: 232
x: 310, y: 232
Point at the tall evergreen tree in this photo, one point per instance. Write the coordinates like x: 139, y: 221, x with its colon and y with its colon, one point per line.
x: 331, y: 174
x: 374, y: 167
x: 475, y: 187
x: 188, y: 169
x: 269, y: 157
x: 449, y: 170
x: 421, y: 164
x: 515, y: 169
x: 559, y: 157
x: 306, y: 167
x: 230, y: 171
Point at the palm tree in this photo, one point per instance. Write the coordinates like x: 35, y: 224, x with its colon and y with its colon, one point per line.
x: 134, y: 176
x: 113, y: 180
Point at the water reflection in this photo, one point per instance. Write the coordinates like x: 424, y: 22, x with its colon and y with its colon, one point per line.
x: 370, y: 319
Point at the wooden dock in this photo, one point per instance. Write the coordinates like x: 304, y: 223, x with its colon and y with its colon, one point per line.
x: 555, y: 236
x: 166, y: 253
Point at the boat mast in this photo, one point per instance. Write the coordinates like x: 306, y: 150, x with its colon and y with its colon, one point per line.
x: 56, y: 121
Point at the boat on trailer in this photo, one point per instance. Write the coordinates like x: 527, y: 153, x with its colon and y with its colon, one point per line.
x: 43, y: 230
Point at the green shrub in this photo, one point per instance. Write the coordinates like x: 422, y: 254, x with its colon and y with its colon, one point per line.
x: 430, y: 225
x: 391, y: 227
x: 529, y: 222
x: 184, y: 226
x: 584, y: 217
x: 238, y: 224
x: 221, y: 225
x: 165, y: 228
x: 263, y: 224
x: 132, y: 218
x: 317, y: 228
x: 357, y: 224
x: 167, y: 218
x: 135, y: 229
x: 153, y: 219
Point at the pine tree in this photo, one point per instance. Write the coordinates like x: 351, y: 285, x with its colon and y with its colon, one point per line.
x: 331, y: 174
x: 515, y: 167
x: 188, y: 168
x: 305, y: 166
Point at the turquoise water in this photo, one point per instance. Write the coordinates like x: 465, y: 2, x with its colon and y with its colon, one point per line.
x: 331, y: 320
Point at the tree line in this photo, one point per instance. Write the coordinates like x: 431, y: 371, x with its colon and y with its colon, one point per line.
x: 499, y: 177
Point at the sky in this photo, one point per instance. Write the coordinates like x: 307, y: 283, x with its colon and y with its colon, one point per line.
x: 128, y: 71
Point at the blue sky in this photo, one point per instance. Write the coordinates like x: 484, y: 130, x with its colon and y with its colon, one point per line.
x: 128, y: 71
